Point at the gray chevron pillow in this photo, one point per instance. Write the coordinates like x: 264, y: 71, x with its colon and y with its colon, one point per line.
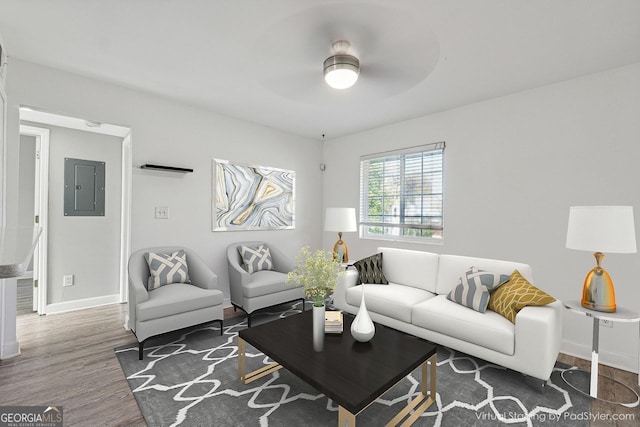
x: 473, y: 289
x: 256, y: 259
x: 167, y: 268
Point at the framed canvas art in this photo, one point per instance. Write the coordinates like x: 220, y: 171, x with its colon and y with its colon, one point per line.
x: 247, y: 197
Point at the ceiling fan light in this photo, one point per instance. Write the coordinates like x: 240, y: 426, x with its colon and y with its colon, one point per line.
x: 341, y: 71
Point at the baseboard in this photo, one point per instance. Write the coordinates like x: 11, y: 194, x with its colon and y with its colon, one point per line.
x: 616, y: 360
x: 10, y: 350
x: 226, y: 303
x: 79, y: 304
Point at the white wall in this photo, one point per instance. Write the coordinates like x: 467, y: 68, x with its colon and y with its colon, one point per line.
x: 171, y: 133
x: 513, y: 167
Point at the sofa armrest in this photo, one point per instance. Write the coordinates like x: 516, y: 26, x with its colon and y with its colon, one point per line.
x: 538, y: 334
x: 346, y: 281
x: 137, y: 294
x: 200, y: 274
x: 238, y: 277
x: 281, y: 262
x: 239, y: 274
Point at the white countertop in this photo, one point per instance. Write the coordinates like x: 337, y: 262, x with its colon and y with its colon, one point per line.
x: 16, y: 247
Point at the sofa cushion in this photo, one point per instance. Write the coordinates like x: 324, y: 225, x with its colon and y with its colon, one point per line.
x: 516, y: 294
x: 370, y: 270
x: 265, y: 282
x: 390, y: 300
x: 176, y: 298
x: 167, y: 268
x: 452, y: 267
x: 256, y: 259
x: 489, y: 329
x: 412, y: 268
x: 474, y: 287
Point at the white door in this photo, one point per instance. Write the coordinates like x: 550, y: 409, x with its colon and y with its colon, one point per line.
x: 41, y: 196
x: 36, y: 220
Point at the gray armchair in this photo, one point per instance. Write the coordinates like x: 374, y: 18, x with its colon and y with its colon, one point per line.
x: 173, y: 306
x: 262, y: 289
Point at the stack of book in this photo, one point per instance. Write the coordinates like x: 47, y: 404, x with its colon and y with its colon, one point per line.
x: 333, y: 322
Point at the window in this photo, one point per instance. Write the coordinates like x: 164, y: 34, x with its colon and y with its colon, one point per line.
x: 401, y: 194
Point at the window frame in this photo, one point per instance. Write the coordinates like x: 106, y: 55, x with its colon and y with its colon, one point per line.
x: 400, y: 156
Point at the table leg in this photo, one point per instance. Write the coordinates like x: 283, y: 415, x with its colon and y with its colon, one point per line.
x: 242, y: 361
x: 245, y: 377
x: 593, y: 389
x: 345, y: 418
x: 423, y: 400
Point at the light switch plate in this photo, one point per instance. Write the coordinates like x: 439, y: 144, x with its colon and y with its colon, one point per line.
x: 162, y: 212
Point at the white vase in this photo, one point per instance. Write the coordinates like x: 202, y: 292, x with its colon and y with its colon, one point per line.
x: 318, y: 328
x: 362, y: 327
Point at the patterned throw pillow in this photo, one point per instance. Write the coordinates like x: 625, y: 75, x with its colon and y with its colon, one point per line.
x: 516, y: 294
x: 256, y: 259
x: 473, y: 288
x: 370, y: 270
x: 167, y: 268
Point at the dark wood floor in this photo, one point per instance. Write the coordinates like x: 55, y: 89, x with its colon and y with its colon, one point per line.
x: 67, y: 359
x: 607, y: 388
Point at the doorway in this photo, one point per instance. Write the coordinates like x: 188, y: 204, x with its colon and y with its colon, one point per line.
x: 33, y: 207
x: 48, y: 294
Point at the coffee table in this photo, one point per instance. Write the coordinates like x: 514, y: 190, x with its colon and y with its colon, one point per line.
x: 350, y: 373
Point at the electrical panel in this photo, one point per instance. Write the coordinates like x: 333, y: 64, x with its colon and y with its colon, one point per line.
x: 84, y: 183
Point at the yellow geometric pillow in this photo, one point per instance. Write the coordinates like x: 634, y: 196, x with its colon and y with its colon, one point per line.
x: 515, y: 294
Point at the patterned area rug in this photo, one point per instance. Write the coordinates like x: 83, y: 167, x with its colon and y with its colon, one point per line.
x: 190, y: 379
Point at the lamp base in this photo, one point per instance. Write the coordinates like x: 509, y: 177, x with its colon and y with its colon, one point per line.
x: 598, y: 293
x: 340, y: 251
x: 597, y: 307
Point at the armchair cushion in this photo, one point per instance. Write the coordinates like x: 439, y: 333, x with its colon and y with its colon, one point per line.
x: 167, y: 268
x: 256, y: 259
x: 176, y: 298
x: 264, y: 283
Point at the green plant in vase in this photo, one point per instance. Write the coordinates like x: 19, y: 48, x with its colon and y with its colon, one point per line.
x: 318, y: 271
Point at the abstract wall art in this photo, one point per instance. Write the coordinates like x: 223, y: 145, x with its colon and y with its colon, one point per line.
x: 249, y: 197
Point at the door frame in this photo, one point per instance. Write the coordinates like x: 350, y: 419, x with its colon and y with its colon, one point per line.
x: 40, y: 117
x: 41, y: 209
x: 3, y: 150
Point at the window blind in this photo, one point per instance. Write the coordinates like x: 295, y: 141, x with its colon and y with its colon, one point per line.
x: 401, y: 193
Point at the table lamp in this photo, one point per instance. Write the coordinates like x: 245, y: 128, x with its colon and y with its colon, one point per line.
x: 340, y: 220
x: 601, y: 229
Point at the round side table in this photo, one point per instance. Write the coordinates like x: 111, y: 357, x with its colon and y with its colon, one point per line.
x: 572, y: 376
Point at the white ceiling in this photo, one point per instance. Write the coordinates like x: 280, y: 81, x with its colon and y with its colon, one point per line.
x: 262, y: 60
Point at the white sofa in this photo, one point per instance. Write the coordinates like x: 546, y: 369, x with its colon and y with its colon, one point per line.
x: 415, y: 301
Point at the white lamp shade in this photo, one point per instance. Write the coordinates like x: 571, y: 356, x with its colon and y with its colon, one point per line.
x: 340, y: 219
x: 607, y: 229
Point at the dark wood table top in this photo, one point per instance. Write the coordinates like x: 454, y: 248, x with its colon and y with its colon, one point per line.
x: 350, y: 373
